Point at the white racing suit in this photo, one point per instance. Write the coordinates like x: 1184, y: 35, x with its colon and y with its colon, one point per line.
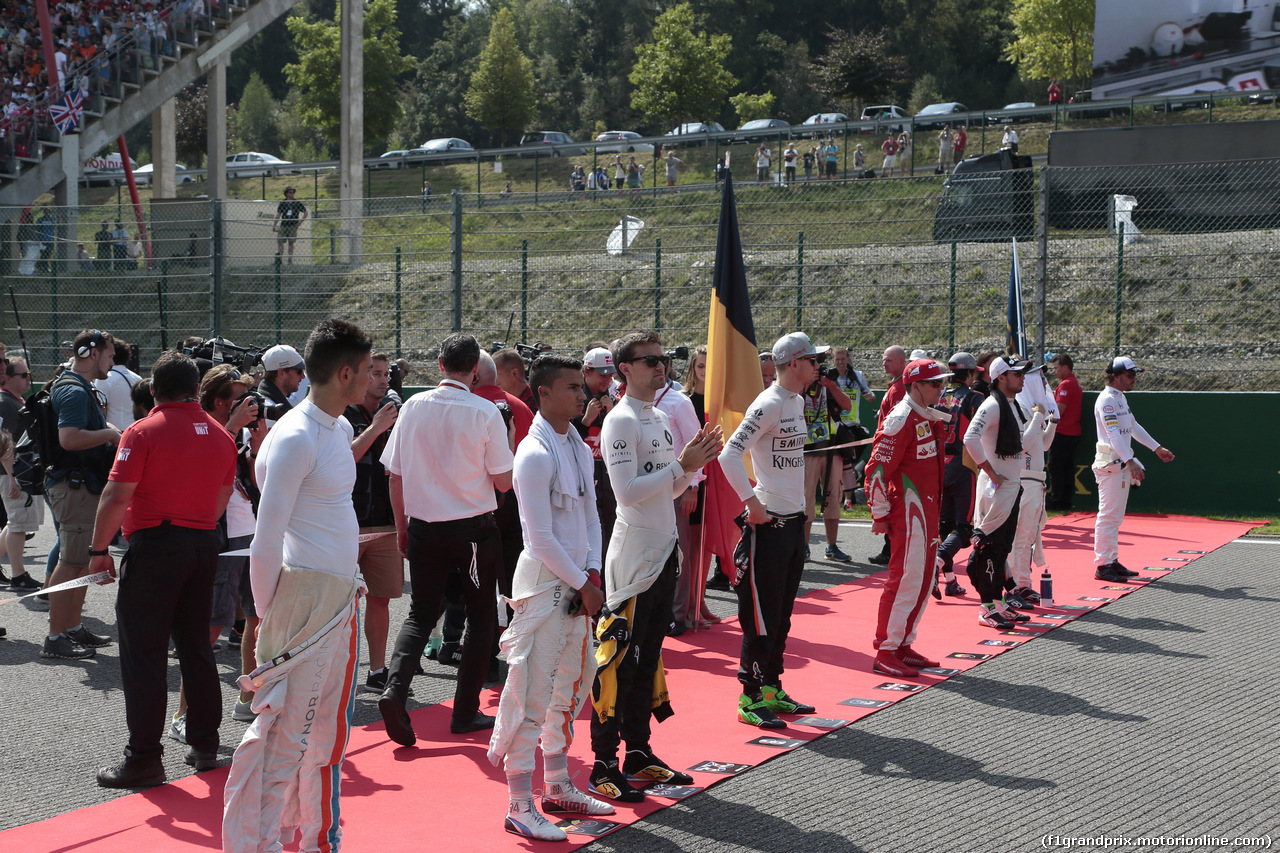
x: 1111, y: 466
x: 551, y: 666
x: 287, y: 771
x: 1027, y: 545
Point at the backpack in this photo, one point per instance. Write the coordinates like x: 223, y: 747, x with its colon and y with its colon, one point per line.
x: 37, y: 449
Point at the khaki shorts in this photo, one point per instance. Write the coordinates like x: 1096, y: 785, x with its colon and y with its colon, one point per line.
x: 817, y: 468
x: 381, y: 564
x: 74, y: 510
x: 26, y: 513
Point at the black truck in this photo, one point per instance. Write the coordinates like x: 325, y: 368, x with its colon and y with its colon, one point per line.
x: 1186, y: 178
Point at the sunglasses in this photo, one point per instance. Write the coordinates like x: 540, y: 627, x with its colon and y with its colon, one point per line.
x: 652, y: 360
x: 23, y: 375
x: 936, y: 383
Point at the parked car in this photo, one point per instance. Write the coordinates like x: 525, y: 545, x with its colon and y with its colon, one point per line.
x: 1013, y: 114
x: 396, y: 159
x: 447, y: 145
x: 885, y: 116
x: 938, y: 115
x: 763, y: 128
x: 824, y: 118
x: 142, y: 174
x: 622, y: 142
x: 552, y: 138
x: 696, y: 129
x: 254, y: 164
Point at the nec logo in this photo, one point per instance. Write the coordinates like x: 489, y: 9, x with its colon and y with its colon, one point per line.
x: 201, y: 429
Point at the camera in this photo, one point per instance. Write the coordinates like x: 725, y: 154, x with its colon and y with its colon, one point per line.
x: 220, y: 351
x: 391, y: 398
x: 681, y: 353
x: 527, y: 352
x: 267, y: 410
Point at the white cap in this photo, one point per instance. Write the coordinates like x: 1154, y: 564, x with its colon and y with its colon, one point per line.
x: 1003, y: 364
x: 793, y: 346
x: 1122, y: 364
x: 600, y: 360
x: 282, y: 357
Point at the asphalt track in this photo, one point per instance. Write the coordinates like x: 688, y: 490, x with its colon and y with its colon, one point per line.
x: 1147, y: 725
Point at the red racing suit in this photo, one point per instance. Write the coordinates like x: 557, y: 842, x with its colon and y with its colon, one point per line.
x: 904, y: 487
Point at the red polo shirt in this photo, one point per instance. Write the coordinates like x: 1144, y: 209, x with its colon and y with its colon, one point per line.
x: 1069, y: 396
x: 181, y: 459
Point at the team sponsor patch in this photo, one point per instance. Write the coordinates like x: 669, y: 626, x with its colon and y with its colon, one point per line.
x: 927, y: 451
x: 783, y: 444
x: 923, y: 430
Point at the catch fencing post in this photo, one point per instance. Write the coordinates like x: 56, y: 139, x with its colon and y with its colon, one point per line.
x: 1119, y: 285
x: 456, y: 260
x: 1042, y: 262
x: 800, y: 280
x: 951, y: 314
x: 279, y: 331
x: 657, y: 283
x: 398, y: 320
x: 215, y: 306
x: 524, y: 291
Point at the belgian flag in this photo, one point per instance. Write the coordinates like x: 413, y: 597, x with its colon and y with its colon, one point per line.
x: 733, y: 373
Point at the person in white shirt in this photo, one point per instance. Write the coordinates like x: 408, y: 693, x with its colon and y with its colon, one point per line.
x: 1115, y: 466
x: 994, y: 440
x: 684, y: 426
x: 117, y: 387
x: 1010, y: 139
x: 640, y: 570
x: 555, y: 591
x: 448, y: 453
x: 1027, y: 546
x: 287, y: 771
x: 774, y: 431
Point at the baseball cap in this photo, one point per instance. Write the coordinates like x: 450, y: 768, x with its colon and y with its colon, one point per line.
x: 282, y: 357
x: 917, y: 354
x: 793, y: 346
x: 600, y: 360
x: 1002, y: 364
x: 963, y: 361
x: 1123, y: 364
x: 923, y: 370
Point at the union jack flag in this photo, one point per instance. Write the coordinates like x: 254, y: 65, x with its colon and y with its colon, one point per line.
x: 67, y: 111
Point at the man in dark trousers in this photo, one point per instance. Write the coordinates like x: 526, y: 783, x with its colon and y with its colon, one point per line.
x: 169, y: 485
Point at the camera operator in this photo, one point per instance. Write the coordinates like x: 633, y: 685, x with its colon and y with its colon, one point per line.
x: 824, y: 400
x: 74, y: 482
x: 379, y: 557
x: 598, y: 372
x: 513, y: 376
x: 285, y: 371
x: 224, y: 394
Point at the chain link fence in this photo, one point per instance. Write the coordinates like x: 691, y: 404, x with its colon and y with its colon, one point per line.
x: 1176, y: 266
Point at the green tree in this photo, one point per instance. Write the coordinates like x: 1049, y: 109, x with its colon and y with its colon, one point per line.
x: 501, y: 92
x: 434, y: 102
x: 679, y: 73
x: 256, y: 116
x: 859, y: 66
x: 191, y: 131
x: 750, y: 107
x: 317, y: 73
x: 1053, y: 38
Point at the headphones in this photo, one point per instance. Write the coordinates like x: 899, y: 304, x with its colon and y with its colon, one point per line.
x: 95, y: 341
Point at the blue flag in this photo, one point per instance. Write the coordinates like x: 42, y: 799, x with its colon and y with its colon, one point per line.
x: 1016, y: 337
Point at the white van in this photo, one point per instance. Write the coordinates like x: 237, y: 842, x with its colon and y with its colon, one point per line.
x: 104, y: 171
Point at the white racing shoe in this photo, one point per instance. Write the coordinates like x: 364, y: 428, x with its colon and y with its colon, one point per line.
x: 524, y: 819
x: 563, y: 797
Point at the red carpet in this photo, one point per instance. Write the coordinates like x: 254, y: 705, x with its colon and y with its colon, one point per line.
x: 444, y: 789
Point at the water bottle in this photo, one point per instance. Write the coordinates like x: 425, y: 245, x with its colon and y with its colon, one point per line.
x: 990, y: 491
x: 1046, y: 588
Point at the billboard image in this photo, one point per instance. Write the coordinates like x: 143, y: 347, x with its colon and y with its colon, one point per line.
x: 1180, y: 47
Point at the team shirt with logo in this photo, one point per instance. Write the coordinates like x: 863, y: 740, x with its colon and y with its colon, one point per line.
x: 640, y: 452
x: 1116, y: 425
x: 774, y: 432
x: 906, y: 456
x: 180, y: 460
